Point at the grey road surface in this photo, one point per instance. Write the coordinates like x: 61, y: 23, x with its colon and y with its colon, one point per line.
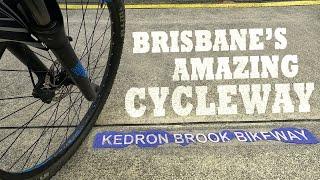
x: 156, y: 69
x: 269, y: 160
x: 237, y: 160
x: 199, y: 161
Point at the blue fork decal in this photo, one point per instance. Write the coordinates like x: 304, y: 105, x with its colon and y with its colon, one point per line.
x: 79, y: 70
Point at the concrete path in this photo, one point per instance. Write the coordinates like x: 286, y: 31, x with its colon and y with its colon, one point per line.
x: 186, y: 107
x: 232, y: 160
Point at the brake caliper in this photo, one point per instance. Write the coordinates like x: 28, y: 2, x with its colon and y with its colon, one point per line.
x: 55, y: 79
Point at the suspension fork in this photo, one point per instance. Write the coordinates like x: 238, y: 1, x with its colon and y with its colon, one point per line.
x: 49, y: 28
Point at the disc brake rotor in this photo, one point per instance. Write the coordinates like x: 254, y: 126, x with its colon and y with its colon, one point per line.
x: 58, y: 79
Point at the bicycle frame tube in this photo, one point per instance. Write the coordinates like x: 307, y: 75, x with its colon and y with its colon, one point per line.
x: 13, y: 27
x: 29, y: 59
x: 38, y: 11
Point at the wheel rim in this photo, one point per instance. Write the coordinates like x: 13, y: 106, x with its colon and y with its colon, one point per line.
x: 32, y: 132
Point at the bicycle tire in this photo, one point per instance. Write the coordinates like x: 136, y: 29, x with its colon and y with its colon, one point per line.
x: 50, y: 166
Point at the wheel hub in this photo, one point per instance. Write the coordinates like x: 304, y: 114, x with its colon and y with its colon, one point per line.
x: 55, y: 80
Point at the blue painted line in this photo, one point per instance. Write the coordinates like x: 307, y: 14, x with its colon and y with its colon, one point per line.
x: 157, y: 138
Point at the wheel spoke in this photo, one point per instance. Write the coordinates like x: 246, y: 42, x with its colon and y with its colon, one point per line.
x: 52, y: 125
x: 82, y: 22
x: 15, y: 98
x: 44, y: 131
x: 96, y: 41
x: 33, y: 117
x: 99, y: 55
x: 92, y: 34
x: 13, y: 70
x: 53, y: 134
x: 19, y: 110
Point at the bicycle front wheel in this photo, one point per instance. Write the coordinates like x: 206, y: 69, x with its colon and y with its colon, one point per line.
x: 37, y: 138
